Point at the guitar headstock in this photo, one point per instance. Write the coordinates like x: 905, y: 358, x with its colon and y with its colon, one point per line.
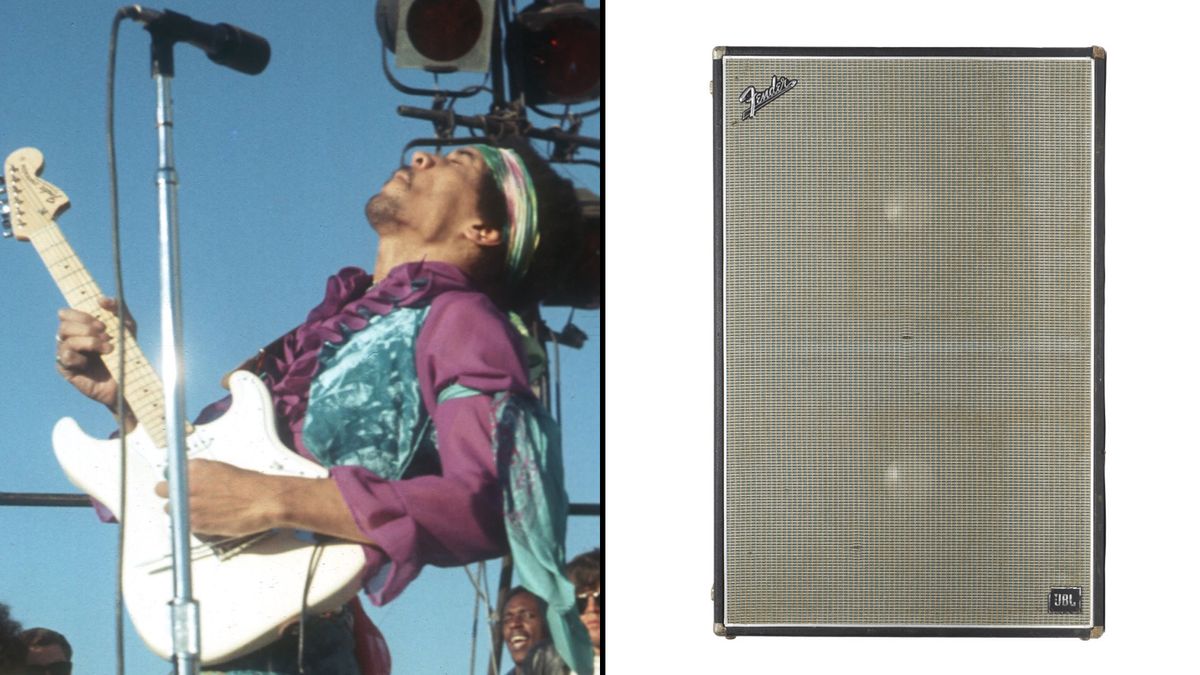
x: 28, y: 202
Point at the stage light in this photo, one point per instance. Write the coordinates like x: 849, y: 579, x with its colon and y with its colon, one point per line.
x: 554, y: 52
x: 439, y: 36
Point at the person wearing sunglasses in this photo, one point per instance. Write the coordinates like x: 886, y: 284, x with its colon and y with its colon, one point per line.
x: 48, y: 652
x: 584, y: 572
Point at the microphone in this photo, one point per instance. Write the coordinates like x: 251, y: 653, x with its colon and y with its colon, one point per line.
x: 225, y: 45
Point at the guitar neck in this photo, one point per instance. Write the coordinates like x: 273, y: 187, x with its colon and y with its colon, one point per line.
x: 143, y: 389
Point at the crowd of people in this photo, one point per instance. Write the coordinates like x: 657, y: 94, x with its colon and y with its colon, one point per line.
x: 523, y: 621
x: 41, y: 651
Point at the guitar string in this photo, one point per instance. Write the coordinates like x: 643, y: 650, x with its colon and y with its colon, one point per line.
x: 213, y: 548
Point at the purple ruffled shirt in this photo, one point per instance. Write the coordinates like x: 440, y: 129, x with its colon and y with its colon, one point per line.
x: 456, y: 516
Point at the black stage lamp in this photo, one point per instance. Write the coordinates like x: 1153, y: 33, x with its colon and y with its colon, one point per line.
x: 440, y: 36
x: 554, y: 52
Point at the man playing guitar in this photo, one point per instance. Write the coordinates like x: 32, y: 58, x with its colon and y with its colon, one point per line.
x: 410, y: 385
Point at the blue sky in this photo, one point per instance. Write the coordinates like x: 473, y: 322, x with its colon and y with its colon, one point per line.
x: 274, y: 172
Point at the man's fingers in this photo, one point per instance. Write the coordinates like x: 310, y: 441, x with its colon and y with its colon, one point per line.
x: 72, y: 323
x: 72, y: 314
x: 111, y: 305
x: 73, y: 352
x: 87, y: 343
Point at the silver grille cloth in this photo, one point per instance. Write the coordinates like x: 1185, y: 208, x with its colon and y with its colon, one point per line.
x: 908, y: 344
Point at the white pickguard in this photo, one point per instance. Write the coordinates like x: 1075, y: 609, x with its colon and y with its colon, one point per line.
x: 246, y: 599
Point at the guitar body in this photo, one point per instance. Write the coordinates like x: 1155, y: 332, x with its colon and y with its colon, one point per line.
x: 246, y: 599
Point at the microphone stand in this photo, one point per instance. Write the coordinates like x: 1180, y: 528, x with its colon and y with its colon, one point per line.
x: 185, y: 611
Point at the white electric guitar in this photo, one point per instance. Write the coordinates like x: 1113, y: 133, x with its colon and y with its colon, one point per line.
x: 248, y: 589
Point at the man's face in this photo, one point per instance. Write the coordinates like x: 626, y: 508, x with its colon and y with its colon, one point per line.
x: 589, y: 602
x: 48, y: 659
x: 523, y: 625
x: 430, y: 198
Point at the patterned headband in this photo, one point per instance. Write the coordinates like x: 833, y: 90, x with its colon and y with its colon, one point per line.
x: 520, y: 233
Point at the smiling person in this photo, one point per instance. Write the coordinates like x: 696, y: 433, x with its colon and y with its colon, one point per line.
x: 409, y: 382
x: 523, y: 627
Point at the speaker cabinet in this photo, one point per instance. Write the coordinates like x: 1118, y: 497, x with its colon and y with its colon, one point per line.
x: 909, y: 341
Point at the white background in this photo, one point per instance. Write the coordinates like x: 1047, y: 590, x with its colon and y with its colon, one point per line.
x: 659, y: 398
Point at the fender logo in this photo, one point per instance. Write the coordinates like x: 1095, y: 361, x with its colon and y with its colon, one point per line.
x: 758, y: 100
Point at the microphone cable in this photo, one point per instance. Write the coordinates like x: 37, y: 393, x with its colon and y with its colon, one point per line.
x: 119, y: 611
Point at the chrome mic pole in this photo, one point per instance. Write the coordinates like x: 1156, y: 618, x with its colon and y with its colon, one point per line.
x: 247, y: 53
x: 185, y: 611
